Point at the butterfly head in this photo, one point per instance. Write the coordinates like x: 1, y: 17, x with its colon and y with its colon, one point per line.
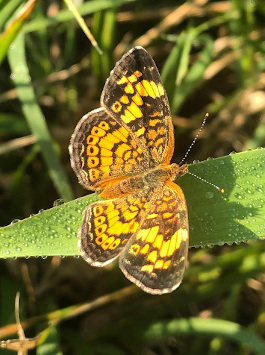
x: 176, y: 170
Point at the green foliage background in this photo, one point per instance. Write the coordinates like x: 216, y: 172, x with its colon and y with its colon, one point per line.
x: 211, y: 56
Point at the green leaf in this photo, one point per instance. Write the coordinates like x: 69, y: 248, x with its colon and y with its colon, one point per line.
x: 238, y: 214
x: 210, y: 327
x: 86, y: 8
x: 104, y: 25
x: 14, y: 28
x: 12, y: 124
x: 179, y: 79
x: 34, y: 116
x: 195, y: 74
x: 215, y: 218
x: 49, y: 342
x: 82, y: 24
x: 7, y: 8
x: 170, y: 69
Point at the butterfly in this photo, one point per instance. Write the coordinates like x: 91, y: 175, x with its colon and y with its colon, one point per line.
x: 123, y: 149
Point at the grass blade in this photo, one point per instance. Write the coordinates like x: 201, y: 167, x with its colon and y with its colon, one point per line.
x: 6, y: 10
x: 14, y: 27
x: 82, y: 24
x: 217, y: 327
x: 215, y: 219
x: 35, y: 118
x: 86, y: 8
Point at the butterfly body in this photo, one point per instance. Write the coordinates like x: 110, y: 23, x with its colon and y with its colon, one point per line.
x: 152, y: 178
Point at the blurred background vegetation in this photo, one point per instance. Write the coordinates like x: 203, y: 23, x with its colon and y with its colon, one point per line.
x: 211, y: 55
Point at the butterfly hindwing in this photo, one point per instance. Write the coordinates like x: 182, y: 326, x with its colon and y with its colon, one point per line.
x: 156, y: 255
x: 108, y: 225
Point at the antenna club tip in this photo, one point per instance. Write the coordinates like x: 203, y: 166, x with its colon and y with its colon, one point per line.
x: 207, y: 115
x: 222, y: 191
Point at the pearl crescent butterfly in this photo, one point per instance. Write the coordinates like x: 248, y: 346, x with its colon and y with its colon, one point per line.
x: 123, y: 149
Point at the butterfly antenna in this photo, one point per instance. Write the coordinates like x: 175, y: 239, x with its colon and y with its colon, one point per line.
x: 195, y: 138
x: 189, y: 149
x: 207, y: 182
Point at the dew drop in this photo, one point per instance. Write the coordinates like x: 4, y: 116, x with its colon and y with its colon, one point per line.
x: 209, y: 195
x: 211, y: 245
x: 15, y: 221
x: 220, y: 243
x: 58, y: 202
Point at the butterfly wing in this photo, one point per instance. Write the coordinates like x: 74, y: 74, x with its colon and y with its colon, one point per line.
x: 155, y: 257
x: 102, y: 150
x: 135, y: 97
x: 108, y: 225
x: 133, y: 132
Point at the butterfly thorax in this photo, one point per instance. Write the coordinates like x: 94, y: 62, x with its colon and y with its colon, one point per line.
x: 164, y: 173
x: 151, y: 178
